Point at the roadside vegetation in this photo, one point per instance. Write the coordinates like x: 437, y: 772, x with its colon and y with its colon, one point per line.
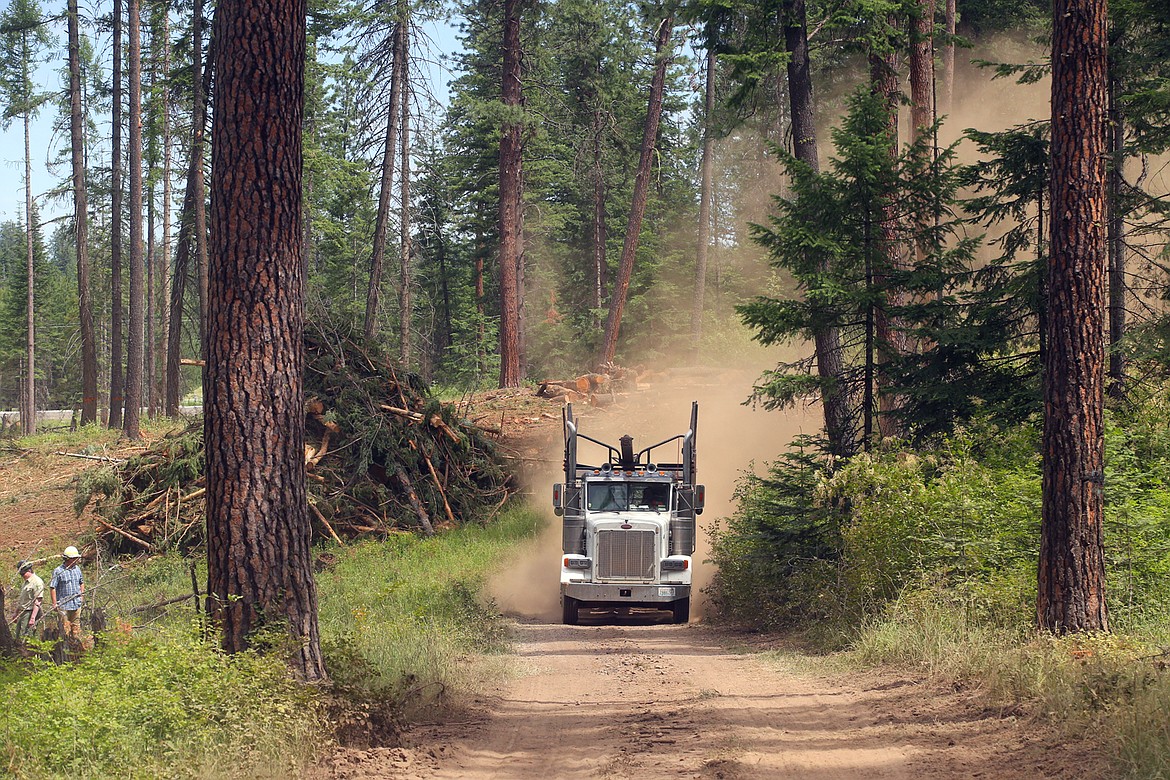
x: 157, y: 698
x: 925, y: 556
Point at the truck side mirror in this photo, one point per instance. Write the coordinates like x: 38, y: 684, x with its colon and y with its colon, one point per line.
x: 700, y: 497
x: 558, y: 499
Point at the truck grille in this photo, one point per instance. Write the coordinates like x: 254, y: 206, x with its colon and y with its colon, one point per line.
x: 626, y: 555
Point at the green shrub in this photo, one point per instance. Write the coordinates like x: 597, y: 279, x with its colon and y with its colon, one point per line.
x: 166, y: 705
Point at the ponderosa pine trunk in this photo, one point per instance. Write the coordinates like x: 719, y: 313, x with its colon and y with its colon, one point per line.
x: 827, y: 338
x: 405, y: 309
x: 386, y: 192
x: 1071, y: 579
x: 949, y: 59
x: 600, y: 234
x: 136, y: 343
x: 891, y: 341
x: 89, y: 371
x: 116, y: 368
x: 1117, y: 286
x: 260, y: 570
x: 922, y: 69
x: 192, y: 222
x: 28, y: 400
x: 706, y: 194
x: 511, y: 199
x: 621, y: 287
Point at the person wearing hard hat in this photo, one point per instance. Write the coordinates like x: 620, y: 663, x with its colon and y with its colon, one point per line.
x: 28, y: 607
x: 67, y: 590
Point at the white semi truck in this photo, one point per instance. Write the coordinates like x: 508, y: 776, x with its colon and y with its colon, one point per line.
x: 629, y: 523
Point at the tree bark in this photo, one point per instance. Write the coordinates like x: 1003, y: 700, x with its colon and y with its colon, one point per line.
x: 890, y: 337
x: 827, y: 339
x: 193, y: 199
x: 949, y: 59
x: 706, y: 193
x: 1117, y: 286
x: 922, y: 69
x: 1071, y: 592
x: 600, y: 233
x: 89, y: 389
x: 386, y: 193
x: 164, y: 250
x: 511, y: 199
x: 136, y: 343
x: 617, y: 298
x: 28, y: 408
x: 116, y: 369
x: 259, y: 560
x: 405, y: 309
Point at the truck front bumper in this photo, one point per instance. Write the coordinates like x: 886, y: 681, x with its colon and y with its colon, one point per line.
x: 604, y: 593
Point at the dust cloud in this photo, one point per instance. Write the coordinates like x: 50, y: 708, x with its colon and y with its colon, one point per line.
x: 731, y: 438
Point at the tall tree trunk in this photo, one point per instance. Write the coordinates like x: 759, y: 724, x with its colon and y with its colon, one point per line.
x: 89, y: 371
x: 192, y: 223
x: 135, y: 346
x: 1117, y: 287
x: 922, y: 69
x: 28, y: 408
x: 480, y: 323
x: 600, y: 234
x: 949, y: 59
x: 827, y: 338
x: 164, y: 250
x: 405, y: 309
x: 511, y: 199
x: 1072, y: 563
x: 386, y: 193
x: 260, y: 568
x: 706, y: 193
x: 890, y: 336
x: 148, y: 370
x: 116, y: 368
x: 617, y: 297
x: 202, y: 91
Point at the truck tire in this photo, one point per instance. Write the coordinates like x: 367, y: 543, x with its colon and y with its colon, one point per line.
x: 681, y: 610
x: 570, y: 610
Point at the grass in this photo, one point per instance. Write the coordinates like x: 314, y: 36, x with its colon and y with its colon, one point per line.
x: 398, y: 619
x: 1111, y: 688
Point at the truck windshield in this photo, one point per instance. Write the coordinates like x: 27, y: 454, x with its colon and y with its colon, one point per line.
x: 628, y: 497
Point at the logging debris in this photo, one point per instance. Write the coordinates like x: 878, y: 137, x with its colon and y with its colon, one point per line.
x: 382, y: 456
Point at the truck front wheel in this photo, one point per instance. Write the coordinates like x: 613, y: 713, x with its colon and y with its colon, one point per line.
x: 681, y: 610
x: 570, y: 610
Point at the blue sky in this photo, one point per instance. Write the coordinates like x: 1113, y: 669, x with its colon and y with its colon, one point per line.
x: 46, y: 146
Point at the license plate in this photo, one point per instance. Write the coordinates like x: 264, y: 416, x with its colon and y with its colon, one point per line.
x: 666, y: 591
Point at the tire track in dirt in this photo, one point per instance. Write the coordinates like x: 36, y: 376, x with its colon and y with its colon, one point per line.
x: 642, y: 700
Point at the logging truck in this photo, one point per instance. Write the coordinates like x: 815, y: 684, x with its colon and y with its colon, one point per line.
x: 628, y: 523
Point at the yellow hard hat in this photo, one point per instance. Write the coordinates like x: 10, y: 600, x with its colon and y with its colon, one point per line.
x: 71, y: 552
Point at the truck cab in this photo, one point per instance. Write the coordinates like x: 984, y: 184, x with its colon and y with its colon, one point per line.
x: 628, y: 525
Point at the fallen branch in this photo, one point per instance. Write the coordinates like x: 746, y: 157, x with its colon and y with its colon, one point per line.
x: 415, y: 503
x: 325, y: 523
x: 126, y: 534
x: 415, y: 416
x: 439, y: 486
x: 91, y: 457
x: 160, y: 604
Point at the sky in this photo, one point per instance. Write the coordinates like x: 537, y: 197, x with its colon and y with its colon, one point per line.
x: 46, y: 146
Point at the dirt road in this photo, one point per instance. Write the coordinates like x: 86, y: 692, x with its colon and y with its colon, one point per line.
x: 644, y: 700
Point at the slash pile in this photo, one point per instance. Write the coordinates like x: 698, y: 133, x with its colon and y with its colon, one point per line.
x: 381, y: 456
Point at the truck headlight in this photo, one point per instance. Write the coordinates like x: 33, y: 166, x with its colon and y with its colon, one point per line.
x: 675, y: 564
x: 578, y: 563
